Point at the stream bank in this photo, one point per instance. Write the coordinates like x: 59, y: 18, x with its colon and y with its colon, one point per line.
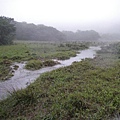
x: 22, y: 77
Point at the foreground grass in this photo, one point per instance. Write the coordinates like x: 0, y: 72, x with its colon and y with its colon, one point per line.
x: 25, y: 51
x: 82, y: 91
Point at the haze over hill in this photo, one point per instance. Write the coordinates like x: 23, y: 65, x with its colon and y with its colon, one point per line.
x: 25, y: 31
x: 102, y: 16
x: 31, y: 31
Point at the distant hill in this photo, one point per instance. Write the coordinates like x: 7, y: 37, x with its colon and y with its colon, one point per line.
x: 25, y: 31
x: 89, y: 35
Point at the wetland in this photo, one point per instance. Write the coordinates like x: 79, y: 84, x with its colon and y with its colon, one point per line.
x: 87, y: 89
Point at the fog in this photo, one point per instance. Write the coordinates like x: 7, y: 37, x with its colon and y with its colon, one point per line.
x: 100, y: 15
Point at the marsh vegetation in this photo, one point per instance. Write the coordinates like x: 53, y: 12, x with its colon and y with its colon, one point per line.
x: 85, y: 90
x: 37, y: 51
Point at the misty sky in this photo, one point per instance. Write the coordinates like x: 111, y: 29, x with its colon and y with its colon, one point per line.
x: 100, y: 15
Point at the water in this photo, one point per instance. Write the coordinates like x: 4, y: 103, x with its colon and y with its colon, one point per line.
x: 22, y: 77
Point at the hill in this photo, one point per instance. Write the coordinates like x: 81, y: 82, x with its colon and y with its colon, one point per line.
x: 25, y: 31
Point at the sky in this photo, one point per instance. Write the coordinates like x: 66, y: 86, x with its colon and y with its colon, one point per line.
x: 100, y: 15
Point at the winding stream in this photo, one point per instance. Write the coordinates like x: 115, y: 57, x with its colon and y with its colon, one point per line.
x: 22, y: 77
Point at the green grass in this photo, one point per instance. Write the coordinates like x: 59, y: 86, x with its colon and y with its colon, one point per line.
x: 50, y: 63
x: 82, y: 91
x: 108, y: 56
x: 64, y: 55
x: 9, y: 54
x: 25, y: 51
x: 14, y: 52
x: 37, y: 64
x: 34, y: 65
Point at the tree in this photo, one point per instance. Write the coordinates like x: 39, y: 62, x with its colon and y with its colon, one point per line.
x: 25, y: 31
x: 7, y: 30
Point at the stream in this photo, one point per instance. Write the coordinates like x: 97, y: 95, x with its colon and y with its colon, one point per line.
x: 22, y: 77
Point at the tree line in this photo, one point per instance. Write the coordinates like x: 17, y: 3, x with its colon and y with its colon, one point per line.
x: 10, y: 29
x: 7, y: 30
x: 88, y: 35
x: 25, y: 31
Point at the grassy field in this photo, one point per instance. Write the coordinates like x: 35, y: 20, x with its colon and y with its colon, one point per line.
x: 25, y: 51
x: 108, y: 56
x: 87, y: 90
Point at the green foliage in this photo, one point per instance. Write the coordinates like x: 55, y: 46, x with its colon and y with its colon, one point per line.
x: 49, y: 63
x: 64, y: 55
x: 21, y: 99
x: 37, y: 64
x: 10, y: 54
x: 83, y: 91
x: 79, y: 91
x: 108, y: 56
x: 34, y: 65
x: 68, y: 49
x: 24, y: 51
x: 76, y: 46
x: 7, y: 30
x: 4, y: 69
x: 25, y: 97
